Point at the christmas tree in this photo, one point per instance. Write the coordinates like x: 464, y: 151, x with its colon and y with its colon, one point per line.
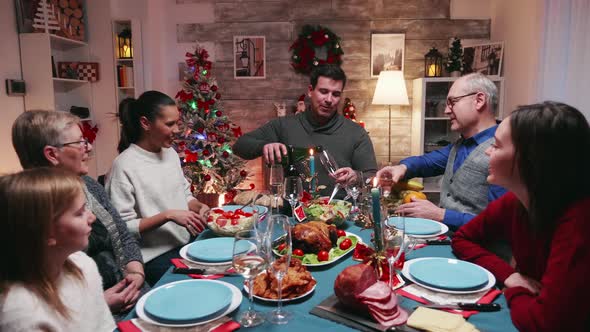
x: 349, y: 112
x: 207, y: 135
x: 45, y: 18
x: 455, y: 58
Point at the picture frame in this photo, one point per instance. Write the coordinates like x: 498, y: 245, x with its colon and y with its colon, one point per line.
x: 387, y: 52
x: 485, y: 58
x: 249, y: 57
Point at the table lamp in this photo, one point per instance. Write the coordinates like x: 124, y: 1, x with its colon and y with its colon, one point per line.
x: 390, y: 90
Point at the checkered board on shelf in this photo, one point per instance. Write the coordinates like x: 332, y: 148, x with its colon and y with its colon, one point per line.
x: 88, y: 71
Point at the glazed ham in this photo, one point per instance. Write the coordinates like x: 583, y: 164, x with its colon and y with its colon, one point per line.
x: 314, y: 236
x: 358, y: 288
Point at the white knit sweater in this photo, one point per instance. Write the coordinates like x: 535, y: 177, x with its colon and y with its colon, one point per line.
x: 142, y: 184
x: 23, y: 310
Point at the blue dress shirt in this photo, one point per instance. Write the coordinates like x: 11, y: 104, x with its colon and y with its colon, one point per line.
x: 434, y: 163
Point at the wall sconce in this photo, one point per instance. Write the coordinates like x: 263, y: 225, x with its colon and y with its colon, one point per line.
x: 433, y: 63
x: 248, y: 50
x: 244, y: 59
x: 124, y: 47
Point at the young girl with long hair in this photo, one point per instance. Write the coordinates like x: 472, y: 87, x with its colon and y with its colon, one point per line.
x: 541, y: 155
x: 147, y: 185
x: 47, y: 283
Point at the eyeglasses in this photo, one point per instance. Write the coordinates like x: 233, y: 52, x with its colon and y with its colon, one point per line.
x: 451, y: 101
x: 81, y: 144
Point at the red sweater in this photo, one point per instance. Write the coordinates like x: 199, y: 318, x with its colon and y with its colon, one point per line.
x: 560, y: 261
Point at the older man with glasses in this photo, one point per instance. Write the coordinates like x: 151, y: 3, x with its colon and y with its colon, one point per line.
x: 465, y: 191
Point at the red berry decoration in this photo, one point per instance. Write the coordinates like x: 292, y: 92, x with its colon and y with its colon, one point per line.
x: 217, y: 96
x: 207, y: 177
x: 206, y: 153
x: 225, y: 154
x: 221, y: 140
x: 243, y: 173
x: 214, y: 88
x: 218, y: 113
x: 252, y: 186
x: 200, y: 130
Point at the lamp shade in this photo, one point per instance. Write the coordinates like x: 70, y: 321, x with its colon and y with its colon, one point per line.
x: 391, y: 89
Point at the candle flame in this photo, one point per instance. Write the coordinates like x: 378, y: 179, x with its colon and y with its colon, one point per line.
x: 311, y: 152
x: 375, y: 182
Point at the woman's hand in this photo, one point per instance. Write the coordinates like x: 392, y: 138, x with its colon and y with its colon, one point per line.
x: 121, y: 297
x: 518, y: 280
x: 192, y: 221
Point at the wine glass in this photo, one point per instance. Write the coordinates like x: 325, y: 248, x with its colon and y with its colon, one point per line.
x: 353, y: 189
x: 293, y: 191
x: 249, y: 259
x: 330, y: 164
x: 394, y: 242
x: 275, y: 182
x: 279, y: 233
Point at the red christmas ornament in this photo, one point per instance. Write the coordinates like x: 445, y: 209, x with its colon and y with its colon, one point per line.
x: 207, y: 177
x: 218, y: 113
x: 217, y: 96
x: 206, y: 153
x: 225, y: 154
x: 214, y: 88
x: 204, y: 87
x: 200, y: 130
x: 252, y: 186
x: 221, y: 140
x: 243, y: 173
x: 190, y: 157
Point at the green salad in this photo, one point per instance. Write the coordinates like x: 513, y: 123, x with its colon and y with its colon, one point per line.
x: 334, y: 253
x: 334, y: 213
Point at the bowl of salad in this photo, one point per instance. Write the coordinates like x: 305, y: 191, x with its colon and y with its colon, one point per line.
x: 227, y: 220
x: 334, y: 213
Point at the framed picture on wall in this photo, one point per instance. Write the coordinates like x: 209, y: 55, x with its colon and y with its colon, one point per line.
x: 483, y: 58
x: 249, y: 57
x: 387, y: 52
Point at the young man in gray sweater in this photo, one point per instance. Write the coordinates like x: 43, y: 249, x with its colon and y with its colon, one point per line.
x: 319, y: 125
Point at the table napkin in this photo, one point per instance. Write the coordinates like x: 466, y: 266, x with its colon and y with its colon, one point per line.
x: 182, y: 263
x: 223, y: 324
x: 438, y: 321
x: 426, y: 296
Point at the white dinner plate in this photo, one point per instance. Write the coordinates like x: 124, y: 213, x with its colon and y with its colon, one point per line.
x: 284, y: 300
x: 443, y: 230
x: 406, y: 273
x: 235, y: 303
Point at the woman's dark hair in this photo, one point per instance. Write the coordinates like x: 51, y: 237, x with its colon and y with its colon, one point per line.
x: 149, y: 104
x: 551, y: 142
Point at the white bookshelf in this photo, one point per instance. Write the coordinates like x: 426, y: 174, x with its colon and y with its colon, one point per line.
x: 135, y: 64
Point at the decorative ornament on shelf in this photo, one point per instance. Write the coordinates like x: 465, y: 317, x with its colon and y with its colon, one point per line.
x: 315, y: 45
x: 454, y: 64
x: 46, y: 18
x: 300, y: 104
x: 88, y: 130
x: 349, y: 112
x: 433, y: 63
x: 207, y: 135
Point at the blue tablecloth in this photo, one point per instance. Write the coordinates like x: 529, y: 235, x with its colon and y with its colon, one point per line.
x: 325, y: 276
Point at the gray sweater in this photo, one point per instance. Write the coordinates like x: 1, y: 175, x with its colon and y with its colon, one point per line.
x: 106, y: 241
x: 348, y: 142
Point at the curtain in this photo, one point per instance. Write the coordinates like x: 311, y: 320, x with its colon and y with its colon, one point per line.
x: 565, y: 53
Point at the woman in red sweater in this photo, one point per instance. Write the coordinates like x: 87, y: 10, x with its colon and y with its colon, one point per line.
x: 542, y: 156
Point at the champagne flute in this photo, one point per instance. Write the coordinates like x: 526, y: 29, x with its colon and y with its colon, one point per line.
x: 275, y: 182
x: 279, y: 232
x: 249, y: 259
x: 293, y: 191
x: 394, y: 242
x: 330, y: 165
x: 354, y: 189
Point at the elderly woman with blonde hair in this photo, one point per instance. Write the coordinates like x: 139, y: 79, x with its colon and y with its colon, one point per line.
x: 46, y: 138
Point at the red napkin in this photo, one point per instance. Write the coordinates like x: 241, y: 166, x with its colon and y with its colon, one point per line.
x: 422, y: 245
x: 489, y: 297
x: 178, y: 263
x: 128, y: 326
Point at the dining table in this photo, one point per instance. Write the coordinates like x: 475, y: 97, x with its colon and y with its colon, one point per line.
x: 326, y: 275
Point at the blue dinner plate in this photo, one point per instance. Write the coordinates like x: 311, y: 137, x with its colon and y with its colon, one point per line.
x: 417, y: 226
x: 450, y: 274
x: 215, y: 250
x: 179, y: 303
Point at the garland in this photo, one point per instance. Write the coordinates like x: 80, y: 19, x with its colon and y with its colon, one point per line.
x: 312, y: 40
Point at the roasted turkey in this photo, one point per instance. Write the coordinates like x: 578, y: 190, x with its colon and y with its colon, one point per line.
x: 314, y: 236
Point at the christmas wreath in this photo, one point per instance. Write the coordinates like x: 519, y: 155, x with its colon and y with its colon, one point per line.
x: 315, y: 45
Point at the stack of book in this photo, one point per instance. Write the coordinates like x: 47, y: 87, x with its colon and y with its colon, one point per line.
x: 124, y: 76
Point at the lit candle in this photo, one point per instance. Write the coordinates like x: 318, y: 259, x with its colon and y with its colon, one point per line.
x: 432, y: 70
x: 312, y: 169
x: 362, y: 124
x: 376, y: 200
x: 221, y: 199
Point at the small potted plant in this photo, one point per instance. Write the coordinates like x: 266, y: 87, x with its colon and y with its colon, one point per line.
x: 454, y: 64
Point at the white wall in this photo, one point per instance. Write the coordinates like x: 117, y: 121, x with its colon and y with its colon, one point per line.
x: 10, y: 107
x: 518, y: 24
